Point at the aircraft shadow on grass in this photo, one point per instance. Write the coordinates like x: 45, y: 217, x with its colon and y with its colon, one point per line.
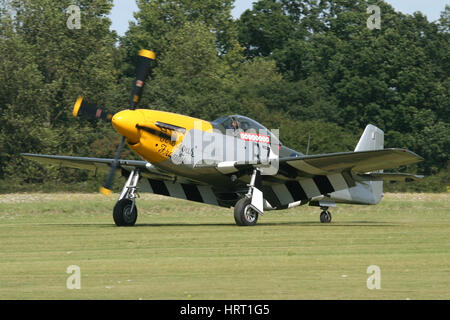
x: 262, y: 225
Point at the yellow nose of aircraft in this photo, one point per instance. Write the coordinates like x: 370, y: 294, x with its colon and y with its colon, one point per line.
x: 125, y: 123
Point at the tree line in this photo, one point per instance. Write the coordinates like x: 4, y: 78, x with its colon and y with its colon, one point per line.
x: 311, y: 68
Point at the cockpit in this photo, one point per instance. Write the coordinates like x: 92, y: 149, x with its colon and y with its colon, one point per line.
x: 236, y: 124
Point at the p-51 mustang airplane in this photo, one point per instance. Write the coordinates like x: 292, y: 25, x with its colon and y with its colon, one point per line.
x: 232, y: 162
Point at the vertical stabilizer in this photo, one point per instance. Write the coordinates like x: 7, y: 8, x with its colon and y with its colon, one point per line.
x: 372, y: 139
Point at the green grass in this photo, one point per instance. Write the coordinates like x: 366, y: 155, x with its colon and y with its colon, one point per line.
x: 184, y: 250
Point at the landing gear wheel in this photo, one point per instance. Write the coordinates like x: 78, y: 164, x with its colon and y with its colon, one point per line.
x: 325, y: 217
x: 244, y: 214
x: 122, y: 214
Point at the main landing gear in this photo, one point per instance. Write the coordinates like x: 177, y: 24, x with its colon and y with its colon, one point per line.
x: 125, y: 211
x: 247, y: 209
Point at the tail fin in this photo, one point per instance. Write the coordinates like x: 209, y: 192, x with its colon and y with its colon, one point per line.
x: 372, y: 139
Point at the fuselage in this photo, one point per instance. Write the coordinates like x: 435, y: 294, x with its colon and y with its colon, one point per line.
x: 189, y: 146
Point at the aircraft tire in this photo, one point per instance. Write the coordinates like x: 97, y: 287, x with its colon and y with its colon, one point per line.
x: 325, y: 217
x: 122, y: 215
x: 242, y: 214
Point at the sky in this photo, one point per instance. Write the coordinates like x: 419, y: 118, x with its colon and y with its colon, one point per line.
x: 123, y: 10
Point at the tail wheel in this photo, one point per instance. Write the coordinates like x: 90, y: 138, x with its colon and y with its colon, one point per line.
x: 244, y: 214
x: 325, y: 217
x: 123, y: 215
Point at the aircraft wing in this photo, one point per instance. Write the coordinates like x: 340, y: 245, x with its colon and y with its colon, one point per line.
x: 358, y: 161
x: 156, y: 181
x: 98, y: 164
x: 388, y: 176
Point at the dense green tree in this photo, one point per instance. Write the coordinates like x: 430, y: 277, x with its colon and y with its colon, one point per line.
x: 444, y: 21
x: 340, y: 70
x: 265, y: 28
x: 311, y: 68
x: 196, y: 47
x: 45, y: 65
x: 156, y: 19
x: 296, y: 134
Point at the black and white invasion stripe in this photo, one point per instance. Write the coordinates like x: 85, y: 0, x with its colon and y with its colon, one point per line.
x: 192, y: 192
x: 292, y: 191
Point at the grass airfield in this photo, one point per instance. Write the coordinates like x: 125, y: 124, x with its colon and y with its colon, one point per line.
x: 184, y: 250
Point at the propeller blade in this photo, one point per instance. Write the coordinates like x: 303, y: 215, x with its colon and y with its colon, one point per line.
x: 90, y: 111
x: 145, y: 57
x: 106, y: 188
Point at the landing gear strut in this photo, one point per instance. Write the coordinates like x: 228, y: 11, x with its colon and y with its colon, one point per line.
x: 125, y: 211
x: 325, y: 215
